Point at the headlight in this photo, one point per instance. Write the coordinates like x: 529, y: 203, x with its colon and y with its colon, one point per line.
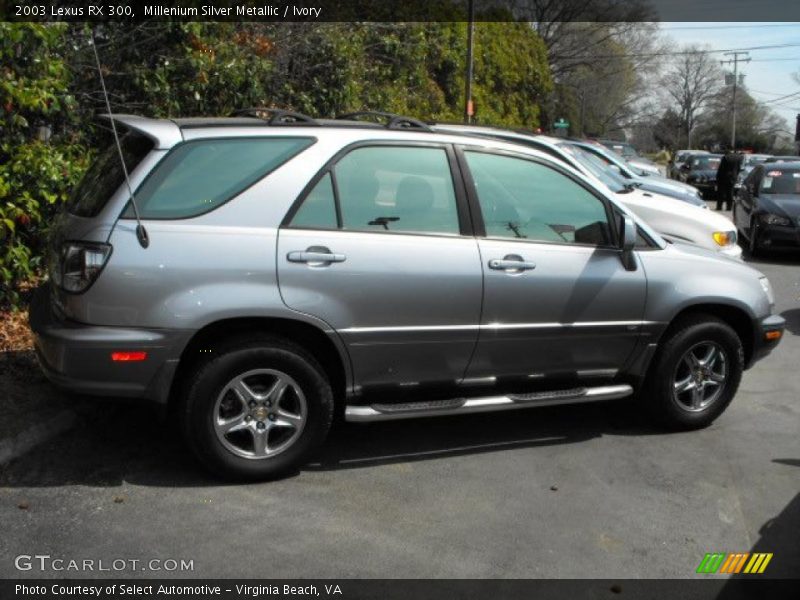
x: 765, y: 285
x: 776, y: 220
x: 81, y: 263
x: 724, y: 238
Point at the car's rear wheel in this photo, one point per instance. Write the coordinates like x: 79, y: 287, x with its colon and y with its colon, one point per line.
x: 257, y: 409
x: 696, y: 372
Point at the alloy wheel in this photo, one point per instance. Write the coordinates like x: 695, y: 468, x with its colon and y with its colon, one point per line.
x: 700, y: 376
x: 260, y: 413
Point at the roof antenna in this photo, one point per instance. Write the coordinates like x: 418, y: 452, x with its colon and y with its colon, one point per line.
x: 141, y: 232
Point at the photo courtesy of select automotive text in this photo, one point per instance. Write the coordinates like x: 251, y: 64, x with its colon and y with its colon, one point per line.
x: 421, y: 300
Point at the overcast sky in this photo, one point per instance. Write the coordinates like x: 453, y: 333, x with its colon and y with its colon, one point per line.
x: 769, y: 74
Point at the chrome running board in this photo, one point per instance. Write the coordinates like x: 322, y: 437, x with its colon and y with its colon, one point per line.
x: 460, y: 406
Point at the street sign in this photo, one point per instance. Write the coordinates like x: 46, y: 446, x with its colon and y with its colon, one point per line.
x: 561, y: 124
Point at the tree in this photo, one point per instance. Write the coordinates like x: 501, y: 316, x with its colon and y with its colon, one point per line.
x: 690, y: 83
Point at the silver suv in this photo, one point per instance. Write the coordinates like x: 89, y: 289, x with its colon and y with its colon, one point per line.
x: 288, y: 267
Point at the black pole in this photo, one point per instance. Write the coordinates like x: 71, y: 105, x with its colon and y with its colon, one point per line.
x: 468, y: 90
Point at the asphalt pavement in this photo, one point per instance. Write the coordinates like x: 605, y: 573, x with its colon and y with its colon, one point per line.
x: 571, y: 491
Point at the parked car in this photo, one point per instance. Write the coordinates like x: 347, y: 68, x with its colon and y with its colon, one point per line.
x: 749, y: 161
x: 781, y: 159
x: 629, y: 153
x: 651, y: 183
x: 700, y: 170
x: 678, y: 158
x: 766, y: 207
x: 256, y: 273
x: 675, y: 220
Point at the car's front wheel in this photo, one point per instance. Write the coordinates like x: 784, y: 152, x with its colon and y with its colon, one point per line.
x: 257, y: 409
x: 696, y: 372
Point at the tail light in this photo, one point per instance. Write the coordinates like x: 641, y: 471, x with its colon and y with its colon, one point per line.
x: 79, y: 264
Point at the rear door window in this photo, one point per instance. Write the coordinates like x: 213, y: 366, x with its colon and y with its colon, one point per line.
x: 401, y: 189
x: 198, y: 176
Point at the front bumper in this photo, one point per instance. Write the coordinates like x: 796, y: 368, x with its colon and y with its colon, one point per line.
x: 77, y: 357
x: 777, y: 237
x: 765, y: 340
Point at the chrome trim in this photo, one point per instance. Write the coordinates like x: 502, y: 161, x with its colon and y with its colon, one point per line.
x: 495, y: 326
x: 368, y: 414
x: 598, y: 373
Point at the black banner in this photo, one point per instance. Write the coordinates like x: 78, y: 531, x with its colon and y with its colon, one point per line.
x: 403, y: 589
x: 408, y: 10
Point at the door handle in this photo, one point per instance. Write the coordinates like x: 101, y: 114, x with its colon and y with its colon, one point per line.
x: 315, y: 255
x: 512, y: 263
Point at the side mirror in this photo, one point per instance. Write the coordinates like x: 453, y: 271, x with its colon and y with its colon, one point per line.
x: 628, y: 243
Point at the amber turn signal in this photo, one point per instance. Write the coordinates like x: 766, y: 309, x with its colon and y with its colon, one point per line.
x: 773, y: 335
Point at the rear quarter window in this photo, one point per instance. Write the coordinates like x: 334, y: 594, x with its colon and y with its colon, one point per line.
x: 198, y: 176
x: 105, y: 175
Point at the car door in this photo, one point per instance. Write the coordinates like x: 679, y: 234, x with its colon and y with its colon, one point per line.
x: 375, y: 248
x: 748, y: 196
x: 557, y: 301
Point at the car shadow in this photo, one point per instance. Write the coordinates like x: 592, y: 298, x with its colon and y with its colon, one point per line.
x: 774, y: 257
x: 777, y: 536
x: 792, y: 317
x: 125, y: 442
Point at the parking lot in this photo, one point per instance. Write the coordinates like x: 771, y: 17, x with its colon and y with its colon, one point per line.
x: 572, y: 491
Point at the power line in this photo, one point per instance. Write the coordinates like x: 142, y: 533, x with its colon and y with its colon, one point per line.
x: 775, y: 59
x: 681, y: 52
x: 691, y: 27
x: 782, y: 97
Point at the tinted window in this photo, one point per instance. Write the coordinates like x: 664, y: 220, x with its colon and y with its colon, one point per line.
x: 523, y: 199
x: 198, y: 176
x: 404, y: 189
x: 705, y: 163
x: 781, y: 181
x: 105, y: 175
x: 318, y: 210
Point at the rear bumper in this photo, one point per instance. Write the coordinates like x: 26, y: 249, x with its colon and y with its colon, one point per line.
x: 762, y: 345
x: 77, y: 357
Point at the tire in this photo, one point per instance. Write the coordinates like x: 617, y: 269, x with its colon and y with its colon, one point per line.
x: 688, y: 409
x: 257, y: 409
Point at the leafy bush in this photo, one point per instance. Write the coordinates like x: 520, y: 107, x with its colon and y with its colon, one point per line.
x: 49, y: 85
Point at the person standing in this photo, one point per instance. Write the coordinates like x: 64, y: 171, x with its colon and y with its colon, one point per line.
x: 727, y: 173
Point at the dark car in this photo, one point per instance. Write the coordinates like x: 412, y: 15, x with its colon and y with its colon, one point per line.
x: 700, y: 170
x: 766, y: 208
x: 749, y: 161
x: 678, y: 159
x: 782, y: 159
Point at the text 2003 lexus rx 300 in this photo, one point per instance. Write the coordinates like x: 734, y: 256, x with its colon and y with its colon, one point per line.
x: 295, y: 265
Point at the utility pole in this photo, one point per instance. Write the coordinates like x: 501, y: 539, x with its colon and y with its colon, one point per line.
x: 735, y: 60
x: 468, y: 107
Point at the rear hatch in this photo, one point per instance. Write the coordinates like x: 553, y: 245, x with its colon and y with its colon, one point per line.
x: 79, y: 233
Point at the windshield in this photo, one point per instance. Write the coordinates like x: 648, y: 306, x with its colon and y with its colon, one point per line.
x: 705, y: 163
x: 595, y: 166
x: 623, y: 149
x: 781, y: 182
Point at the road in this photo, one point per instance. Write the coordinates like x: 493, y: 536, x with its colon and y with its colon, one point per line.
x: 575, y: 491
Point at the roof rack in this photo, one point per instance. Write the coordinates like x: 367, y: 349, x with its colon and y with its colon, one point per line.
x: 393, y: 121
x: 276, y: 116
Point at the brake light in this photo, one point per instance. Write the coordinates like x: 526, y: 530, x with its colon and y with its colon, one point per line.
x: 79, y: 265
x: 128, y: 356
